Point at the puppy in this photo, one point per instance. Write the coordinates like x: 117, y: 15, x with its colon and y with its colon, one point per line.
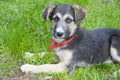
x: 75, y: 46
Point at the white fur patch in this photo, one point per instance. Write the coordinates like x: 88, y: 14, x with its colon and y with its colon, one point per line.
x: 43, y: 68
x: 28, y: 68
x: 114, y: 53
x: 59, y: 29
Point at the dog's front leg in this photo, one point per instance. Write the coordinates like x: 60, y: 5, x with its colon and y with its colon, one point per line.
x: 43, y: 68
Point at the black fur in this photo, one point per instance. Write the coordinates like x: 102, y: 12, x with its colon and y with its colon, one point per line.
x: 92, y: 46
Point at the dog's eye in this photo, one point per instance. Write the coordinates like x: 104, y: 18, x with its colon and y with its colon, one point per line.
x: 68, y: 20
x: 56, y: 19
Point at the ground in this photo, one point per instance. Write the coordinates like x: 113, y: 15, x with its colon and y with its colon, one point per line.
x: 22, y: 29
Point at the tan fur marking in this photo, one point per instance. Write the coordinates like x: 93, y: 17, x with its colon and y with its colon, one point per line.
x: 72, y: 28
x: 58, y: 15
x: 114, y: 53
x: 66, y: 16
x: 64, y: 55
x: 80, y: 13
x: 51, y: 7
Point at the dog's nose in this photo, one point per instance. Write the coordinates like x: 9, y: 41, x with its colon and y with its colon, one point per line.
x: 59, y: 34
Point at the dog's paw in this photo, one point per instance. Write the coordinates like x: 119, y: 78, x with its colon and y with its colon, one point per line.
x: 26, y: 68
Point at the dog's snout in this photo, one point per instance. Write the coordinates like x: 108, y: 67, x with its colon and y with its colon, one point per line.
x: 59, y: 32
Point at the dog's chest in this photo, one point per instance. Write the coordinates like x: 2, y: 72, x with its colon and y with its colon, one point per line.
x: 64, y: 55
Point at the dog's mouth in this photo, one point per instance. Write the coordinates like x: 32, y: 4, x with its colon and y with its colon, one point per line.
x: 59, y: 38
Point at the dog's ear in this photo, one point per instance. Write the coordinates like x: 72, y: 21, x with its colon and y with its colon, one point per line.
x: 80, y: 13
x: 47, y: 12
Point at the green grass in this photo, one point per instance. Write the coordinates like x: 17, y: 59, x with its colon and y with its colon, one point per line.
x: 22, y: 29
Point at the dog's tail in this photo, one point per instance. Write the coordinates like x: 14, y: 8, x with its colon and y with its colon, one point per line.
x: 115, y: 45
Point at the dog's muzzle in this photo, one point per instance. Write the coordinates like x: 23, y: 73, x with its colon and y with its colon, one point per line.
x: 59, y: 33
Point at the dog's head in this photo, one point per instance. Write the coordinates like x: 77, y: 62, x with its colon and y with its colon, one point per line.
x: 65, y: 20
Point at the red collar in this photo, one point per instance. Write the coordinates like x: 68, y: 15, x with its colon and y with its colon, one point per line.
x: 63, y: 43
